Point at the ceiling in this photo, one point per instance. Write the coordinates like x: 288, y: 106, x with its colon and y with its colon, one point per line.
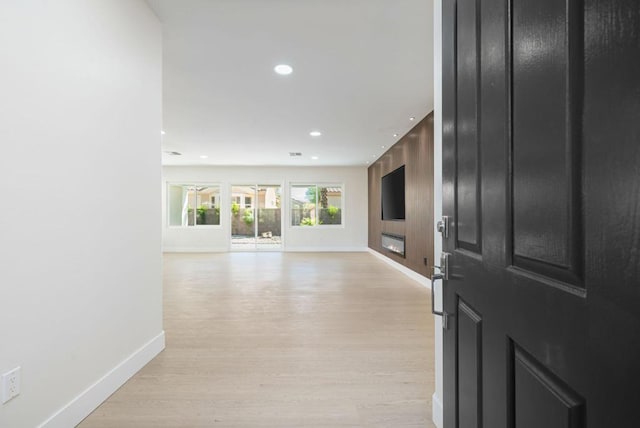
x: 361, y: 69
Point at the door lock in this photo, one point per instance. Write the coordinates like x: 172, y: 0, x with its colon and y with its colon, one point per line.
x: 443, y: 226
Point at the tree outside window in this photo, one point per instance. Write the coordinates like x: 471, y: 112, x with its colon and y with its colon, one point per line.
x: 315, y: 205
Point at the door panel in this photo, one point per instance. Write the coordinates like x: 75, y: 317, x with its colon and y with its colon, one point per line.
x: 468, y: 188
x: 243, y: 230
x: 541, y: 123
x: 540, y: 399
x: 469, y: 366
x: 269, y: 215
x: 546, y: 76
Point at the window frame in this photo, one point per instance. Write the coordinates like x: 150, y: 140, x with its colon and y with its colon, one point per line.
x: 317, y: 184
x: 196, y: 185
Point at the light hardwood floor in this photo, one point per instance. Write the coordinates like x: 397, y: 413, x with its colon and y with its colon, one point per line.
x: 284, y: 340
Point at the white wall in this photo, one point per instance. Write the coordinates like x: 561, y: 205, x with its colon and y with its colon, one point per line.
x: 437, y: 182
x: 352, y: 236
x: 80, y: 278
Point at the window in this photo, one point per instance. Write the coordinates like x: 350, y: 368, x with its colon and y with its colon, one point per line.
x: 193, y: 205
x: 313, y: 205
x: 247, y: 202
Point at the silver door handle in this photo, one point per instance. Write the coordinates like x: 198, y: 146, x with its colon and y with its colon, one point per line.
x: 435, y: 277
x: 444, y: 266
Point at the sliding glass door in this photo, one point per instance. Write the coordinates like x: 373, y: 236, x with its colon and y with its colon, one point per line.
x: 256, y: 217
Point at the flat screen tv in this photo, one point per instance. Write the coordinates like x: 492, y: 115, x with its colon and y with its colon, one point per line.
x: 393, y: 195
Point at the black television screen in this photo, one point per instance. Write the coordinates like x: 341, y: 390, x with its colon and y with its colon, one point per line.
x: 393, y: 195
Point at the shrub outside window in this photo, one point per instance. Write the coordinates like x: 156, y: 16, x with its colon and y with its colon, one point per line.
x: 316, y: 205
x: 193, y: 205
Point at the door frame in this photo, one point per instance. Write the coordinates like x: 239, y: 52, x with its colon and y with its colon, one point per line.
x: 437, y: 399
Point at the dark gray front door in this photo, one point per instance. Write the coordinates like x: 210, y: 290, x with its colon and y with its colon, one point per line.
x: 541, y: 163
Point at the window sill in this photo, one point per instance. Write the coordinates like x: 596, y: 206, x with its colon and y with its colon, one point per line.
x: 198, y: 227
x: 319, y: 226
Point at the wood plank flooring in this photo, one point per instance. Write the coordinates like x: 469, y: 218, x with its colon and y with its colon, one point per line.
x: 284, y: 340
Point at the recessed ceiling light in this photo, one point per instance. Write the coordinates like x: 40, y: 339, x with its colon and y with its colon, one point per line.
x: 412, y: 118
x: 203, y: 156
x: 367, y: 161
x: 162, y: 132
x: 315, y: 133
x: 383, y: 147
x: 314, y: 157
x: 283, y: 69
x: 395, y: 135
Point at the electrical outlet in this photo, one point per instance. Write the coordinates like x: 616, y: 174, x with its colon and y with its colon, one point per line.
x: 10, y: 384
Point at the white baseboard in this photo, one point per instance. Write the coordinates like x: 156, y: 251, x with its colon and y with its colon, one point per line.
x: 437, y: 411
x: 326, y: 249
x: 285, y: 249
x: 423, y: 280
x: 195, y: 250
x: 85, y: 403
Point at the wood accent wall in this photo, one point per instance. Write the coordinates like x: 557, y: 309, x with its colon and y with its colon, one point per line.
x: 415, y: 151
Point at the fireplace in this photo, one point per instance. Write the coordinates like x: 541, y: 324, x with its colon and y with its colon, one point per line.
x: 393, y: 243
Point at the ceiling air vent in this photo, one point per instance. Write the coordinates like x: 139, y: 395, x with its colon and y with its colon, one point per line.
x: 170, y: 153
x: 295, y: 154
